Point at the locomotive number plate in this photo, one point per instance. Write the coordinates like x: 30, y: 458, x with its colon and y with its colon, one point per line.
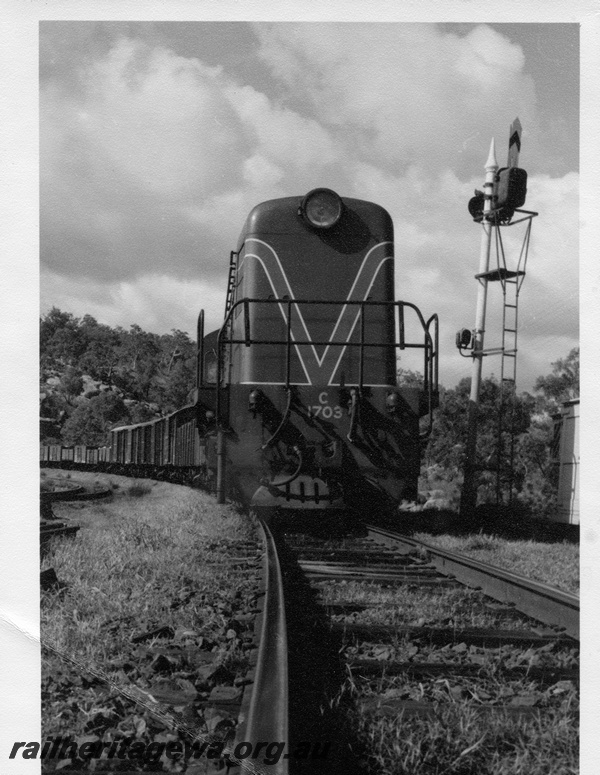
x: 322, y: 409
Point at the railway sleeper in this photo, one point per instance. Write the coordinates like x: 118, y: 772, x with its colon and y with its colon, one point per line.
x: 376, y: 668
x: 442, y: 635
x: 383, y: 579
x: 407, y: 708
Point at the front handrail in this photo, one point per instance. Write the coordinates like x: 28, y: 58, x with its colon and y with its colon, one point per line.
x: 429, y: 344
x: 432, y: 386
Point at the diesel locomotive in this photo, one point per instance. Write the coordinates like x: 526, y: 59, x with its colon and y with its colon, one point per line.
x: 297, y: 404
x: 297, y: 395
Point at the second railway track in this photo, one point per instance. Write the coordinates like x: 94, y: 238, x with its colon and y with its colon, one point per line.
x: 379, y: 626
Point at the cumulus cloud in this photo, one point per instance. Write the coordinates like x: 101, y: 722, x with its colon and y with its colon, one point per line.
x: 150, y: 135
x: 412, y: 93
x: 156, y: 302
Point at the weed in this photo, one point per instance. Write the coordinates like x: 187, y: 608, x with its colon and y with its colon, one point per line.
x: 556, y: 564
x: 138, y: 489
x: 481, y: 542
x: 143, y: 567
x: 460, y: 741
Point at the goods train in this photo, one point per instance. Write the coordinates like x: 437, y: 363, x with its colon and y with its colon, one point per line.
x: 297, y: 404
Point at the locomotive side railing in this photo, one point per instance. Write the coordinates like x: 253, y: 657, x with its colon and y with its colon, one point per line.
x: 429, y: 343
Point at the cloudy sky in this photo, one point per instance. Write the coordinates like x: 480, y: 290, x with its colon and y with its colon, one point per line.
x: 157, y: 138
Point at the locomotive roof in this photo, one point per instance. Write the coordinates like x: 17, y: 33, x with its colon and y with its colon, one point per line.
x: 280, y: 216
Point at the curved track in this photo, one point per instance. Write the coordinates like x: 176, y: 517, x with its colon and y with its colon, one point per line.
x: 50, y: 527
x: 264, y: 713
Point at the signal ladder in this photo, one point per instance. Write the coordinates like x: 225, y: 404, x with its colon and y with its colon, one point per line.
x: 511, y: 281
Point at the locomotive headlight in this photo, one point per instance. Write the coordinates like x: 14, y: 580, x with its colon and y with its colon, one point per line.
x: 322, y: 208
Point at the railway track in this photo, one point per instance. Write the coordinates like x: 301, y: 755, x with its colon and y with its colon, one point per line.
x: 50, y: 526
x: 381, y: 626
x: 377, y: 628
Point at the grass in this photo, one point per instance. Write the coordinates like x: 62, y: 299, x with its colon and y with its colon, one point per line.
x: 458, y: 738
x: 460, y: 742
x: 555, y: 564
x: 138, y: 489
x: 149, y: 598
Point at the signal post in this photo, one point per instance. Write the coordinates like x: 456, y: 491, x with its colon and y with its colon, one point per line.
x: 469, y: 491
x: 504, y: 193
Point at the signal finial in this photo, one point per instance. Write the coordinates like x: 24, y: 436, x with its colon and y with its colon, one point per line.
x: 491, y: 163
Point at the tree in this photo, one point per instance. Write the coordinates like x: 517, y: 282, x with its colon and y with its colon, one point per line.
x: 142, y: 413
x: 140, y: 366
x: 92, y: 419
x: 100, y: 356
x: 61, y: 342
x: 535, y: 466
x: 409, y: 378
x: 52, y: 405
x: 54, y: 321
x: 137, y: 345
x: 71, y: 383
x: 178, y: 384
x: 563, y: 384
x: 176, y: 373
x: 443, y: 457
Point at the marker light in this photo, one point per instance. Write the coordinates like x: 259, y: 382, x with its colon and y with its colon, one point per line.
x: 392, y: 402
x: 464, y: 339
x: 322, y: 208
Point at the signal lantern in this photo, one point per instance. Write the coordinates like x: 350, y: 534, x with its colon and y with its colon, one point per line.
x: 464, y: 339
x: 510, y: 188
x: 476, y: 206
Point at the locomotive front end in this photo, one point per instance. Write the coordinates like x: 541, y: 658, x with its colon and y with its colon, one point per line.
x: 307, y: 411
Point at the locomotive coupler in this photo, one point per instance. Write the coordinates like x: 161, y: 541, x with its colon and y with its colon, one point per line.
x: 273, y: 485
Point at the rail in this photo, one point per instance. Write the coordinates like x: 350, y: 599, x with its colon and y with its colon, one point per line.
x: 267, y: 714
x: 540, y: 601
x: 74, y: 494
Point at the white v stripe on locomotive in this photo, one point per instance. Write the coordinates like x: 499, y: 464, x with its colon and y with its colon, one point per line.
x: 321, y: 370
